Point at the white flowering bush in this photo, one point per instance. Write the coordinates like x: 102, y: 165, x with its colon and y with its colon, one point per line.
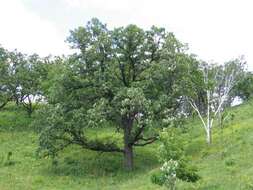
x: 172, y: 155
x: 169, y: 170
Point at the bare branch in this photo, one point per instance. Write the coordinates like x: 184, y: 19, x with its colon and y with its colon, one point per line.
x: 194, y: 106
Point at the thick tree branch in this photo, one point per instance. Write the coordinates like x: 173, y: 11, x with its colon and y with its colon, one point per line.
x: 138, y: 134
x: 147, y: 141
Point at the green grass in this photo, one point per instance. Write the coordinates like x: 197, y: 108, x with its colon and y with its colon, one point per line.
x: 225, y: 165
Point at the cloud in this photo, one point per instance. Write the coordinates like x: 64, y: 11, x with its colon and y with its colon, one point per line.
x: 27, y: 32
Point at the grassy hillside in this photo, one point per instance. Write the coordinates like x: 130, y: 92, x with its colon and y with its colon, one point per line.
x: 227, y: 164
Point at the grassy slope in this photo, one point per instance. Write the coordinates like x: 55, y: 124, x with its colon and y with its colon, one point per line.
x: 227, y: 164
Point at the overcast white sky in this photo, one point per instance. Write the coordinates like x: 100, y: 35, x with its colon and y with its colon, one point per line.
x: 217, y: 30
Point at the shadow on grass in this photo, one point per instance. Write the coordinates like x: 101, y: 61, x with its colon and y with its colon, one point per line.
x: 90, y: 164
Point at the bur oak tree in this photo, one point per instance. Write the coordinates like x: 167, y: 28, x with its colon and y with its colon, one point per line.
x: 124, y: 78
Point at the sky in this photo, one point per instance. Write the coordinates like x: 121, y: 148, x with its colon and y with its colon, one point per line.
x: 215, y: 30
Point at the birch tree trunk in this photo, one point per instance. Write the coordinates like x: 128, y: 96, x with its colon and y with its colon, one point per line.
x: 209, y: 136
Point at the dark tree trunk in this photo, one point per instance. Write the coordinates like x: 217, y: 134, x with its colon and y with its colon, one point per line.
x: 17, y: 101
x: 128, y: 157
x: 128, y: 147
x: 29, y: 111
x: 29, y: 106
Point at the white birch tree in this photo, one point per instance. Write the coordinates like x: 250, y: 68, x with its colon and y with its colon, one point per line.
x: 218, y: 81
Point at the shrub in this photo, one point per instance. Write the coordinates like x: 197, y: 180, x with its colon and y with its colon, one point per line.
x: 175, y: 163
x: 169, y: 170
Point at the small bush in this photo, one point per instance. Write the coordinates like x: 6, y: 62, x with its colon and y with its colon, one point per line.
x: 9, y: 161
x: 175, y: 163
x: 230, y: 162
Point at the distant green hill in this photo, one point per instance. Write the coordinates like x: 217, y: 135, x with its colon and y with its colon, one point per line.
x: 225, y: 165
